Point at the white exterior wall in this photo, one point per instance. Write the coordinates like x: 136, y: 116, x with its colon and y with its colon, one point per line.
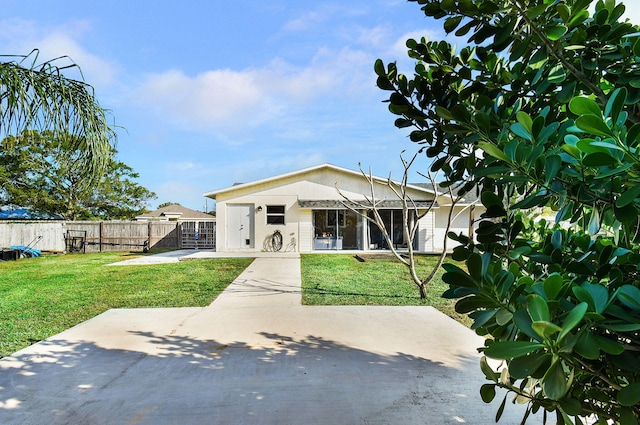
x: 460, y: 225
x: 317, y: 184
x: 425, y: 232
x: 305, y: 231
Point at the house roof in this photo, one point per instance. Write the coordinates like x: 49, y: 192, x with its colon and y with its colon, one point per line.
x: 385, y: 204
x: 176, y: 211
x: 327, y: 166
x: 469, y: 198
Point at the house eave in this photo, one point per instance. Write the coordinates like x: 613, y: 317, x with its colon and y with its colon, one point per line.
x: 214, y: 193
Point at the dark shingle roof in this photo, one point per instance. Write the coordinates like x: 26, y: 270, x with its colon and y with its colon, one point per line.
x: 184, y: 212
x: 472, y: 196
x: 333, y: 204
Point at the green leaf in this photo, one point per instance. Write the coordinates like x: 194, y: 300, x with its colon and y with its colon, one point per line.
x: 490, y: 199
x: 524, y: 366
x: 596, y: 296
x: 488, y: 392
x: 493, y: 150
x: 538, y: 308
x: 473, y: 302
x: 578, y: 18
x: 503, y: 317
x: 523, y: 322
x: 534, y: 12
x: 500, y: 410
x: 594, y: 222
x: 608, y: 345
x: 573, y: 319
x: 628, y: 196
x: 628, y: 416
x: 545, y: 329
x: 593, y: 125
x: 444, y: 113
x: 458, y: 280
x: 629, y: 295
x: 555, y: 32
x: 629, y: 395
x: 616, y: 103
x: 474, y: 265
x: 530, y: 202
x: 584, y: 106
x: 554, y: 382
x: 520, y: 131
x: 557, y: 74
x: 552, y: 285
x: 626, y: 214
x: 379, y: 68
x: 525, y: 120
x: 488, y: 372
x: 587, y: 346
x: 599, y: 159
x: 516, y: 253
x: 571, y: 406
x: 451, y: 23
x: 552, y: 166
x: 511, y: 349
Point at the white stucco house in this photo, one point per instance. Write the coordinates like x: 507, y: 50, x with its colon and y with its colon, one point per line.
x: 308, y: 211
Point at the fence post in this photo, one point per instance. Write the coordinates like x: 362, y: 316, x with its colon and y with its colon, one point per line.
x: 101, y: 234
x: 149, y: 233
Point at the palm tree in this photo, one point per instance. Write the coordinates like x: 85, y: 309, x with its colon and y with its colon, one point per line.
x: 38, y: 96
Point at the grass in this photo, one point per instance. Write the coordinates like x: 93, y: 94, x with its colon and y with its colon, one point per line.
x: 40, y: 297
x: 336, y: 279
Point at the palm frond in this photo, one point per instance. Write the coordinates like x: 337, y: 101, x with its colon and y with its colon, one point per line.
x: 40, y: 97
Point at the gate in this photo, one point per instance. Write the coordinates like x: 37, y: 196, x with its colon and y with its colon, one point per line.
x: 198, y: 234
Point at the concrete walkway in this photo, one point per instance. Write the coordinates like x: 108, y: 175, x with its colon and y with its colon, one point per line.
x: 254, y: 356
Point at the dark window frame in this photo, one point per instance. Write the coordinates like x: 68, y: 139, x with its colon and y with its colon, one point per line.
x: 276, y: 214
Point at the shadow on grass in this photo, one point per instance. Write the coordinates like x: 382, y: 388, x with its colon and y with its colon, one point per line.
x: 342, y: 293
x: 274, y: 379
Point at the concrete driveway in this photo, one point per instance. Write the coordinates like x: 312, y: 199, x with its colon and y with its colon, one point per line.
x: 254, y: 356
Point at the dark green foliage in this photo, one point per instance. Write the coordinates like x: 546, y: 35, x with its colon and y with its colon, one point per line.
x: 45, y: 172
x: 540, y: 110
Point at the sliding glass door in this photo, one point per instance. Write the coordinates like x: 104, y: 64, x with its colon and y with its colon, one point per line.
x: 337, y: 229
x: 393, y: 224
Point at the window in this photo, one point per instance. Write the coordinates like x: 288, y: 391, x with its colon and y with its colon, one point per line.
x: 275, y: 214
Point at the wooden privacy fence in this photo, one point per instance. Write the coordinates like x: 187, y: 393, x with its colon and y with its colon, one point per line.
x: 100, y: 236
x: 42, y: 235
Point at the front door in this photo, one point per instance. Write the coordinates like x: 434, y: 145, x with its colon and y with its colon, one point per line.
x: 240, y: 226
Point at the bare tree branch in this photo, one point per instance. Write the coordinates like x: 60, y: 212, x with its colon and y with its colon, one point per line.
x: 411, y: 216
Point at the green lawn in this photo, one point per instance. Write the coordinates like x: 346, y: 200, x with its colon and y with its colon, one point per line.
x: 340, y: 279
x: 40, y: 297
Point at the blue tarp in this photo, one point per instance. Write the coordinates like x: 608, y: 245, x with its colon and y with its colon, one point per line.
x: 25, y: 214
x: 26, y: 251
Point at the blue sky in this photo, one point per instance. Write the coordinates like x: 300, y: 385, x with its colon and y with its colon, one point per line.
x: 209, y: 93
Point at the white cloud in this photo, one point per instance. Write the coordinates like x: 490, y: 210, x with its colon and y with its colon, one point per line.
x: 20, y: 37
x: 184, y: 166
x: 250, y: 170
x: 304, y: 22
x: 227, y: 101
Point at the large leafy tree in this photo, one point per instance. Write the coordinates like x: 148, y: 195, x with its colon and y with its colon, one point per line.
x: 540, y: 109
x: 45, y: 172
x: 38, y: 96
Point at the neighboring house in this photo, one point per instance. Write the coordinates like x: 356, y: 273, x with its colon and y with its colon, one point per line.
x: 175, y: 212
x: 306, y: 208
